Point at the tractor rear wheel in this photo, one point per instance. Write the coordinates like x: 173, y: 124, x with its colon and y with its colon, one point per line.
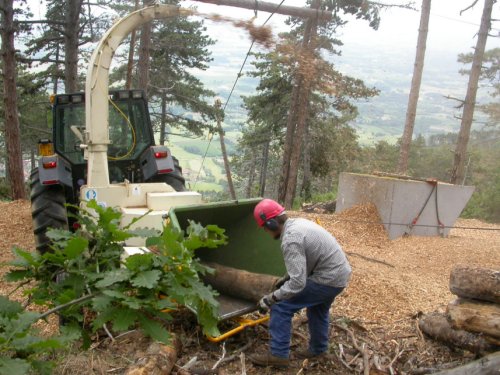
x: 47, y: 210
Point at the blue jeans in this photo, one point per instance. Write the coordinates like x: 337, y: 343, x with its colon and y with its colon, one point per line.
x: 317, y: 299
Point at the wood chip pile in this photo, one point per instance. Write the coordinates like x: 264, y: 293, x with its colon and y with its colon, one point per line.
x: 374, y: 322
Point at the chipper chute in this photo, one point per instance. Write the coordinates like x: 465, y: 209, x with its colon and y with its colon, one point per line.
x: 246, y: 267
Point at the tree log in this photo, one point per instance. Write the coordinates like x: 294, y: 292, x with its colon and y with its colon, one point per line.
x: 158, y: 359
x: 487, y: 365
x: 239, y: 283
x: 476, y: 283
x: 438, y: 327
x: 474, y: 316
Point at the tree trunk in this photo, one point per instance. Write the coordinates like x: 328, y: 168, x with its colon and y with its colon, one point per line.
x: 302, y: 116
x: 12, y: 132
x: 299, y: 109
x: 476, y: 283
x: 251, y: 175
x: 474, y: 316
x: 438, y: 327
x: 239, y: 283
x: 71, y: 39
x: 289, y: 134
x: 458, y: 170
x: 131, y: 50
x: 487, y: 365
x: 163, y: 121
x: 306, y: 180
x: 144, y: 54
x: 263, y: 171
x: 411, y: 111
x: 224, y: 153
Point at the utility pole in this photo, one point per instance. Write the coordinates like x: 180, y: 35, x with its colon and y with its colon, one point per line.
x: 218, y: 106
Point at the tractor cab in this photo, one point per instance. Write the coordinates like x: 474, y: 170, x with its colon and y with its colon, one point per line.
x: 130, y: 133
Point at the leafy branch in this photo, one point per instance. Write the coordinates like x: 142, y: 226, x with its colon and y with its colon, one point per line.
x: 86, y: 275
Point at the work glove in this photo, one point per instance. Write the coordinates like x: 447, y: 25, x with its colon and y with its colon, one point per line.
x: 266, y: 302
x: 279, y: 283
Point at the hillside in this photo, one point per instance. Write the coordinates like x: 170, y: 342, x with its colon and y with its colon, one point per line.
x: 393, y: 283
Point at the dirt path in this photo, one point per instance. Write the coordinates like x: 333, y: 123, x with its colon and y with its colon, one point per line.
x: 393, y: 282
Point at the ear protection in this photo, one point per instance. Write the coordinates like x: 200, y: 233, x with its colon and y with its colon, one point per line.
x: 271, y: 224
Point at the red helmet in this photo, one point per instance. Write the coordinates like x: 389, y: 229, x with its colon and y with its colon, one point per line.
x: 265, y: 210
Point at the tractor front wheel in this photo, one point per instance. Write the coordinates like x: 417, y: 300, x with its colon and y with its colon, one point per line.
x: 47, y: 210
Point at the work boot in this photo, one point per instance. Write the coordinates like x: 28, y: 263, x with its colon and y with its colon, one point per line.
x: 307, y: 354
x: 268, y: 360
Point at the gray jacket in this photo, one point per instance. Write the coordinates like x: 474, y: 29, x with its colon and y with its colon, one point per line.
x: 311, y: 252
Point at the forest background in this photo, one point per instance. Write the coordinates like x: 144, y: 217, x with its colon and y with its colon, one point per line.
x: 364, y: 141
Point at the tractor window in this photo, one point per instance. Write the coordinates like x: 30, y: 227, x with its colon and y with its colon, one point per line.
x: 129, y: 130
x: 66, y: 141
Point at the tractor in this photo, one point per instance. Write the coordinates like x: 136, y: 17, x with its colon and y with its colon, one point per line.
x: 62, y: 168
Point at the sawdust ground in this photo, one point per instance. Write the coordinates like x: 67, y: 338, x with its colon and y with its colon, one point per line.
x: 393, y: 281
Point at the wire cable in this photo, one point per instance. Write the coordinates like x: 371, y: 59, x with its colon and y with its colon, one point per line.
x: 418, y: 225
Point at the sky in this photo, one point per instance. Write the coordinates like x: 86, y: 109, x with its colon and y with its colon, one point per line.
x: 449, y: 31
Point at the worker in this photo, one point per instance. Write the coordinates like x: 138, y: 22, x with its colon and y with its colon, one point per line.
x: 317, y: 272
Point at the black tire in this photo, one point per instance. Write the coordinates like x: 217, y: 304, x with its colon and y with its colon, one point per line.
x: 174, y: 179
x: 47, y: 210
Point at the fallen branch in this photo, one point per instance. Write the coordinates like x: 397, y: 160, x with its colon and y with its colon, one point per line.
x: 370, y: 259
x: 486, y: 365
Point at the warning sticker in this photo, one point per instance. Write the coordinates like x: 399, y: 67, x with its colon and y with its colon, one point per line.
x: 91, y: 194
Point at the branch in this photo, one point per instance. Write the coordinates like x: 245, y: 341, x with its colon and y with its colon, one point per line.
x: 462, y: 102
x: 370, y: 259
x: 64, y: 305
x: 470, y: 6
x: 48, y: 22
x: 404, y: 6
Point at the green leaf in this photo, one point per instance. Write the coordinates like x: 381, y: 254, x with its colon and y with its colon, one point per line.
x: 14, y: 366
x: 139, y: 262
x: 170, y: 242
x: 8, y: 307
x: 75, y: 247
x: 43, y: 367
x: 154, y: 329
x: 153, y: 241
x: 165, y: 303
x: 70, y: 333
x: 100, y: 303
x: 24, y: 258
x: 17, y: 275
x: 144, y: 232
x: 124, y: 318
x: 104, y: 317
x: 132, y: 302
x: 112, y: 277
x: 24, y: 320
x: 58, y: 235
x: 114, y: 294
x: 147, y: 279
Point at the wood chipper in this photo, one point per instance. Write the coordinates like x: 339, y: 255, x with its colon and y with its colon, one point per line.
x: 146, y: 180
